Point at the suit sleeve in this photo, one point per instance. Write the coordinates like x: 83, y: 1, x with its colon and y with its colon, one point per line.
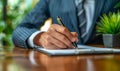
x: 31, y: 23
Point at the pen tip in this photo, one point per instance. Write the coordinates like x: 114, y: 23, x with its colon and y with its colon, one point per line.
x: 75, y: 44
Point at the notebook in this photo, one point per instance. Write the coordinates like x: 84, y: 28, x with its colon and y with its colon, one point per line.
x: 82, y: 49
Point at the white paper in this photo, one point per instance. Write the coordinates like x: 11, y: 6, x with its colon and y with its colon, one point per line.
x: 82, y: 49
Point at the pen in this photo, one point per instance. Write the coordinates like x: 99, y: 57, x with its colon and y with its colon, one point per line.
x: 61, y: 23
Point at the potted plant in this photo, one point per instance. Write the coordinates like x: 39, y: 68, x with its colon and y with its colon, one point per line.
x: 109, y: 27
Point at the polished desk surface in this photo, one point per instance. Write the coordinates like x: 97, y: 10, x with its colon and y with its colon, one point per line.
x: 19, y: 59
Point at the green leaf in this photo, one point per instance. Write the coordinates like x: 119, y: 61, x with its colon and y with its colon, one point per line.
x: 8, y: 40
x: 109, y: 24
x: 2, y: 26
x: 117, y: 5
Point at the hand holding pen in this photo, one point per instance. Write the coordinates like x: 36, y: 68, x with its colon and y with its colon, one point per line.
x: 62, y: 24
x: 57, y: 37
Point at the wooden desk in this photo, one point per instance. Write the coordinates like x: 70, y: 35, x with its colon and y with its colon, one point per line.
x: 19, y: 59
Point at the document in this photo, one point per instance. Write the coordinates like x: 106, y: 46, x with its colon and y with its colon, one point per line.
x: 82, y: 49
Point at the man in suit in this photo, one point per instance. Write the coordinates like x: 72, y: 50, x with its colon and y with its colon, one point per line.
x: 74, y: 14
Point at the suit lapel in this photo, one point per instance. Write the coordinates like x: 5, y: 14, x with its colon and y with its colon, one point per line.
x: 72, y: 13
x: 73, y: 16
x: 98, y: 9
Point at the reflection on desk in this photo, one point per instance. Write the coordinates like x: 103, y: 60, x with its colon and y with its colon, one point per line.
x: 20, y: 59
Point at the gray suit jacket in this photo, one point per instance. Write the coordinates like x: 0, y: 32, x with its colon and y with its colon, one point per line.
x: 66, y: 10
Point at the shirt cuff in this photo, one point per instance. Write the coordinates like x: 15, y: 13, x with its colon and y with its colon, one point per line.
x: 30, y: 39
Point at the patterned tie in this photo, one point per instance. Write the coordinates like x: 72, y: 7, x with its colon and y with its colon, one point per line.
x: 81, y: 18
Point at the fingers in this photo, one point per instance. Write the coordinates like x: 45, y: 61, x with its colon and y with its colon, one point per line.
x: 47, y: 41
x: 75, y: 35
x: 51, y: 46
x: 57, y: 43
x: 63, y: 31
x: 57, y: 37
x: 63, y: 40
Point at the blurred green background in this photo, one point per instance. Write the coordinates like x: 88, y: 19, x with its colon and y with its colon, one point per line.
x: 11, y: 14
